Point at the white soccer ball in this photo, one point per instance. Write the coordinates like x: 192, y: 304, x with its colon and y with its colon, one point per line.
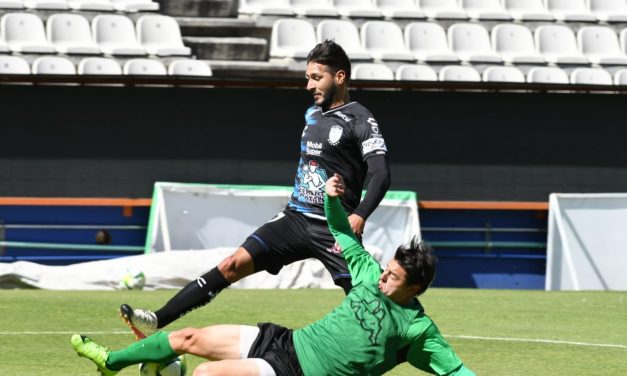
x: 176, y: 367
x: 133, y: 280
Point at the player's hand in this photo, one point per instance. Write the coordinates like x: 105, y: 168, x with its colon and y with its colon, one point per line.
x: 357, y: 224
x: 335, y: 186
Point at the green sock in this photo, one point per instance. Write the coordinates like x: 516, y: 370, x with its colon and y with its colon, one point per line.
x: 155, y: 348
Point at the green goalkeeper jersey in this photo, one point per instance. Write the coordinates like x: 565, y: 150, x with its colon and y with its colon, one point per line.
x: 369, y: 334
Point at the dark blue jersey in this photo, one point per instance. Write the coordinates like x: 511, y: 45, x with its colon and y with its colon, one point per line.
x: 335, y: 142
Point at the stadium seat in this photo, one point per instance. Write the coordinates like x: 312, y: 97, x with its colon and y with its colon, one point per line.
x: 609, y: 10
x: 95, y: 5
x: 11, y: 4
x: 160, y: 35
x: 399, y: 9
x: 99, y: 66
x: 600, y: 45
x: 570, y: 10
x: 427, y: 41
x: 189, y: 67
x: 3, y: 47
x: 547, y: 75
x: 13, y: 65
x: 356, y: 8
x: 70, y: 34
x: 442, y: 9
x: 623, y: 41
x: 115, y: 35
x: 620, y: 77
x: 134, y: 5
x: 144, y: 67
x: 345, y: 33
x: 313, y: 8
x: 459, y: 73
x: 528, y: 10
x: 384, y: 40
x: 503, y: 74
x: 371, y: 71
x: 292, y: 38
x: 46, y: 4
x: 514, y: 43
x: 471, y: 43
x: 414, y: 72
x: 591, y: 76
x: 266, y: 7
x: 24, y: 33
x: 557, y: 44
x: 485, y: 9
x: 53, y: 65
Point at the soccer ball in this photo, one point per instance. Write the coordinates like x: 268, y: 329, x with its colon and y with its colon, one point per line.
x: 175, y: 367
x: 133, y: 280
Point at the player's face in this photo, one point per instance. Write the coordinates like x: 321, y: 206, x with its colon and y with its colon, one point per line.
x: 393, y: 284
x: 322, y: 84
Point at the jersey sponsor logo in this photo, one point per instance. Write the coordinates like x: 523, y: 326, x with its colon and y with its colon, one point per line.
x: 312, y: 181
x: 277, y: 217
x: 372, y: 144
x: 314, y: 148
x: 335, y: 134
x: 369, y: 314
x: 342, y: 116
x: 373, y: 125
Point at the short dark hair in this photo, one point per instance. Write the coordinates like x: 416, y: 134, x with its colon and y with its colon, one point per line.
x: 418, y: 261
x: 332, y: 55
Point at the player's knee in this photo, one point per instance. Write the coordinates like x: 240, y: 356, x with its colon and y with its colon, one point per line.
x: 183, y: 340
x: 233, y: 268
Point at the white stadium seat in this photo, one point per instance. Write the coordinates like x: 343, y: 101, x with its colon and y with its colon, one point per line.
x: 160, y: 35
x: 97, y: 5
x: 459, y: 73
x: 547, y: 75
x: 609, y: 10
x: 471, y: 43
x: 356, y: 8
x: 144, y: 67
x: 11, y: 4
x: 427, y: 41
x: 503, y: 74
x: 313, y: 8
x: 591, y: 76
x: 384, y: 40
x: 442, y: 9
x: 70, y: 34
x: 600, y: 45
x: 3, y: 46
x: 558, y: 45
x: 134, y: 5
x: 620, y: 77
x: 514, y: 43
x: 570, y: 10
x: 414, y: 72
x: 115, y: 35
x: 46, y: 4
x: 266, y: 7
x: 485, y: 9
x: 99, y: 66
x: 346, y: 35
x: 400, y: 9
x: 53, y: 65
x: 292, y: 38
x: 371, y: 71
x: 528, y: 10
x: 13, y: 65
x: 24, y: 33
x: 189, y: 67
x: 623, y: 41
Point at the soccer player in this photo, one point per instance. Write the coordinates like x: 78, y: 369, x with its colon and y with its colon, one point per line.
x: 340, y: 137
x: 379, y: 324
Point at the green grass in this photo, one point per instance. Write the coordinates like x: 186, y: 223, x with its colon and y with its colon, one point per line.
x: 35, y: 326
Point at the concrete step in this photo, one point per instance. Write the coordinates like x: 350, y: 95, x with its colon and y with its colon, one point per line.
x: 199, y: 8
x: 228, y: 48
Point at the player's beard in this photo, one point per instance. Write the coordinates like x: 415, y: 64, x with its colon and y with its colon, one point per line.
x: 327, y: 98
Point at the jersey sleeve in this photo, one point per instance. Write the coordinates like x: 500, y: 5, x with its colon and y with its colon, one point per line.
x: 362, y: 266
x: 429, y: 352
x: 368, y: 135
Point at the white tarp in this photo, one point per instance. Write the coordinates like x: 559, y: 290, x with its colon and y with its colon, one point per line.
x: 587, y: 242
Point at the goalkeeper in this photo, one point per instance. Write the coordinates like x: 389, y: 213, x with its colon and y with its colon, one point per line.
x: 378, y: 325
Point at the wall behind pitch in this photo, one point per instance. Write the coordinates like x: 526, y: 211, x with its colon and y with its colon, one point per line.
x: 116, y: 142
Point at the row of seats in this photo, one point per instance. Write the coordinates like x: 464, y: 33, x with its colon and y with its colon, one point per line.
x: 57, y: 65
x: 110, y: 34
x: 467, y: 42
x: 457, y: 73
x: 94, y: 5
x: 523, y: 10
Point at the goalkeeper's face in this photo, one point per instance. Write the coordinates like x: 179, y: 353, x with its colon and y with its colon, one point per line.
x: 393, y: 284
x: 323, y: 84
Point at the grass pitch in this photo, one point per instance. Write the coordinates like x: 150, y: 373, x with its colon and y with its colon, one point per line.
x: 495, y: 332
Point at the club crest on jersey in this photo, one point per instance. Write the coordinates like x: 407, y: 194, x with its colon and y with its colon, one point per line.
x: 335, y: 134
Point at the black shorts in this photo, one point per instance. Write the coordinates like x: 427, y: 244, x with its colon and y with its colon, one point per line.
x: 292, y: 236
x: 274, y: 344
